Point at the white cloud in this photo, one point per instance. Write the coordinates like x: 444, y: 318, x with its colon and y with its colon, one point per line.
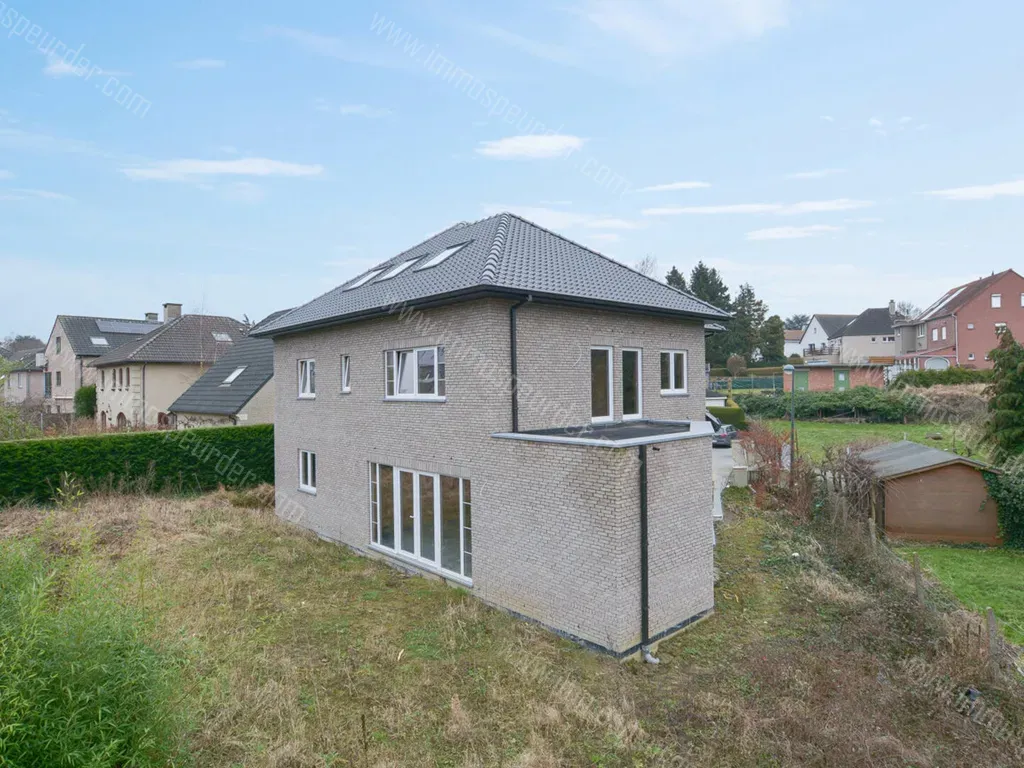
x: 865, y: 220
x: 905, y: 120
x: 781, y: 209
x: 357, y: 110
x: 38, y: 194
x: 186, y: 170
x: 537, y: 48
x: 821, y: 174
x: 201, y: 64
x: 605, y: 237
x: 874, y: 122
x: 982, y: 192
x: 375, y: 52
x: 561, y: 220
x: 6, y: 174
x: 533, y: 146
x: 672, y: 28
x: 791, y: 233
x: 828, y: 118
x: 672, y: 186
x: 57, y: 67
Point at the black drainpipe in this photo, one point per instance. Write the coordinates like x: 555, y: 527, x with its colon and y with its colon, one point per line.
x: 514, y: 361
x: 645, y: 632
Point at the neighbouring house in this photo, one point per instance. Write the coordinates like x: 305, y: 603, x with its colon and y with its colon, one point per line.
x: 508, y: 410
x: 825, y: 377
x: 74, y: 342
x: 794, y: 342
x: 23, y: 383
x: 237, y: 389
x: 868, y: 338
x: 963, y: 326
x: 816, y: 338
x: 927, y: 494
x: 137, y: 382
x: 715, y: 398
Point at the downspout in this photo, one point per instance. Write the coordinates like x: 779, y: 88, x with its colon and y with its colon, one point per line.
x: 143, y: 394
x: 956, y: 338
x: 645, y: 629
x: 514, y: 361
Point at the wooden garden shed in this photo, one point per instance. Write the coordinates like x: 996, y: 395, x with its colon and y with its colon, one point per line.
x: 932, y: 495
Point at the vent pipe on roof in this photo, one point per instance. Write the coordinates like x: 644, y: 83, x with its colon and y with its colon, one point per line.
x: 171, y: 312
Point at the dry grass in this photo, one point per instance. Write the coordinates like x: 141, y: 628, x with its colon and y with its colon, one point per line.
x: 296, y: 643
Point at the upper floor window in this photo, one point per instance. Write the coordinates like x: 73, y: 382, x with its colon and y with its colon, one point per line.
x: 601, y: 383
x: 307, y: 378
x: 1022, y: 299
x: 935, y: 334
x: 997, y: 300
x: 414, y: 374
x: 920, y: 331
x: 673, y: 373
x: 127, y: 377
x: 120, y: 378
x: 970, y: 326
x: 307, y: 471
x: 943, y: 333
x: 58, y: 378
x: 346, y: 382
x: 57, y: 344
x: 103, y: 379
x: 632, y: 384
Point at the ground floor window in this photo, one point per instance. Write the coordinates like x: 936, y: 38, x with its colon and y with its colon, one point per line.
x: 307, y: 471
x: 423, y: 516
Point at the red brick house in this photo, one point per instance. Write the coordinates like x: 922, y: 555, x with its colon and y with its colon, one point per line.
x: 821, y: 377
x: 963, y: 326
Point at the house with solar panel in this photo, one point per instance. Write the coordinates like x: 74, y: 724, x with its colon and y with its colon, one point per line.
x: 137, y: 382
x: 507, y: 410
x: 74, y: 342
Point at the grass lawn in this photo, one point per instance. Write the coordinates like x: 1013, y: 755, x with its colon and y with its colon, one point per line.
x: 295, y: 643
x: 813, y: 436
x: 980, y: 578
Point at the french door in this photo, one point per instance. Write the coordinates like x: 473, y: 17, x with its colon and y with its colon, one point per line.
x: 423, y: 516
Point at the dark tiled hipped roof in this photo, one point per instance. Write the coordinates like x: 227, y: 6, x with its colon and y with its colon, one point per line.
x: 871, y: 322
x: 210, y: 394
x: 80, y: 331
x: 832, y: 324
x: 186, y: 339
x: 503, y: 255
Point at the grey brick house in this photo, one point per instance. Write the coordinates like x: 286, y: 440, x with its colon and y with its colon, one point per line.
x: 506, y: 409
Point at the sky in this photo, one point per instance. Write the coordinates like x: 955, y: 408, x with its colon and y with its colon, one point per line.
x: 243, y: 157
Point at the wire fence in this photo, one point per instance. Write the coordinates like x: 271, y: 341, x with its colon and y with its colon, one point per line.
x: 747, y: 383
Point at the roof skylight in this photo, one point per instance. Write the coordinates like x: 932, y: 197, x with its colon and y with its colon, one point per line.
x: 99, y: 341
x: 364, y: 279
x: 220, y: 336
x: 234, y: 375
x: 436, y: 259
x: 397, y: 270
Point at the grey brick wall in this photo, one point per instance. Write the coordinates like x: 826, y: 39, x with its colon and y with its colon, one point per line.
x: 555, y: 527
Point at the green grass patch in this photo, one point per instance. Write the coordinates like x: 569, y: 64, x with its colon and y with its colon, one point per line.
x: 980, y: 577
x: 814, y: 436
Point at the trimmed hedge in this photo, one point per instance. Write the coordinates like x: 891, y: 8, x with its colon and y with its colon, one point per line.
x: 753, y: 369
x: 953, y: 376
x: 734, y: 416
x: 860, y: 402
x: 184, y: 460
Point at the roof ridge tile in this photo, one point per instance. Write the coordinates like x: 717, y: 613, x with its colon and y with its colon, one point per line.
x: 490, y: 271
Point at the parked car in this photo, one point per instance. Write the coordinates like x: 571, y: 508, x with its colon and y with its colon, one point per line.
x: 724, y: 436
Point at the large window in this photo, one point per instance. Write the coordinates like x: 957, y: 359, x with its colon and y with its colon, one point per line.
x: 935, y: 334
x: 307, y: 471
x: 997, y: 300
x: 423, y: 516
x: 632, y: 384
x: 601, y: 383
x: 674, y: 378
x: 307, y: 378
x: 414, y: 374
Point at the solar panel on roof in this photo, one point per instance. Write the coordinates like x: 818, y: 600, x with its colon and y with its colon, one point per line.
x: 125, y: 326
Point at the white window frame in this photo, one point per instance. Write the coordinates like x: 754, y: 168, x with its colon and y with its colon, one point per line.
x: 970, y: 326
x: 970, y: 355
x: 376, y: 509
x: 1022, y: 299
x: 307, y: 384
x: 21, y: 383
x: 639, y: 383
x: 363, y: 280
x: 935, y: 334
x: 346, y: 374
x: 921, y: 332
x: 307, y: 471
x: 397, y: 269
x: 609, y: 351
x: 672, y: 371
x: 443, y: 256
x: 392, y: 358
x: 943, y: 333
x: 221, y: 337
x: 997, y: 301
x: 99, y: 341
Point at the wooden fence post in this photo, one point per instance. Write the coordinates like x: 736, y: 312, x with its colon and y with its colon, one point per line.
x: 993, y: 638
x: 918, y: 586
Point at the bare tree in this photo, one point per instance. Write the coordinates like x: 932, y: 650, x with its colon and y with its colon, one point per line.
x: 907, y: 308
x: 648, y: 265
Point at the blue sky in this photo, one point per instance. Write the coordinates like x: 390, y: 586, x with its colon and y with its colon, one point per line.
x: 241, y: 157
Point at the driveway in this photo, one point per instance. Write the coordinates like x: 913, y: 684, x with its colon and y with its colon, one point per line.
x: 721, y: 466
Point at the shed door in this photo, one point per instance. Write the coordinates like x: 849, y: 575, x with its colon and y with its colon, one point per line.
x: 801, y: 380
x: 842, y: 378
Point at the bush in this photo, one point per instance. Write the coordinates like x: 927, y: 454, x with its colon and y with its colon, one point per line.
x: 85, y: 402
x: 951, y: 376
x: 860, y: 402
x: 734, y: 416
x: 194, y: 459
x: 1008, y: 492
x: 81, y: 683
x: 16, y: 425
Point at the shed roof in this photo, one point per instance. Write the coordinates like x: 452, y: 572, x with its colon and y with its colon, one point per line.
x: 503, y: 255
x: 908, y: 458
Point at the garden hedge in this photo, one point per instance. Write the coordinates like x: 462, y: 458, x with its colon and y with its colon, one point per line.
x: 860, y: 402
x: 928, y: 378
x: 734, y: 416
x: 184, y: 460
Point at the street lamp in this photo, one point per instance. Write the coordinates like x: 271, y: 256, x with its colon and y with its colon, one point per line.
x: 789, y: 370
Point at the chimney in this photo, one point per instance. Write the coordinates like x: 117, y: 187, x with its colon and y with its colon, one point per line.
x: 171, y: 312
x: 892, y: 307
x: 152, y: 317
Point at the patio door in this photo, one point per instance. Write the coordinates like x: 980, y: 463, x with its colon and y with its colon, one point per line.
x: 418, y: 510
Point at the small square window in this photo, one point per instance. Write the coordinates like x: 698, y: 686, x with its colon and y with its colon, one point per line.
x: 307, y: 379
x: 674, y: 374
x: 346, y: 383
x: 970, y: 355
x: 307, y: 472
x: 970, y: 326
x: 99, y: 341
x: 217, y: 336
x: 997, y: 300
